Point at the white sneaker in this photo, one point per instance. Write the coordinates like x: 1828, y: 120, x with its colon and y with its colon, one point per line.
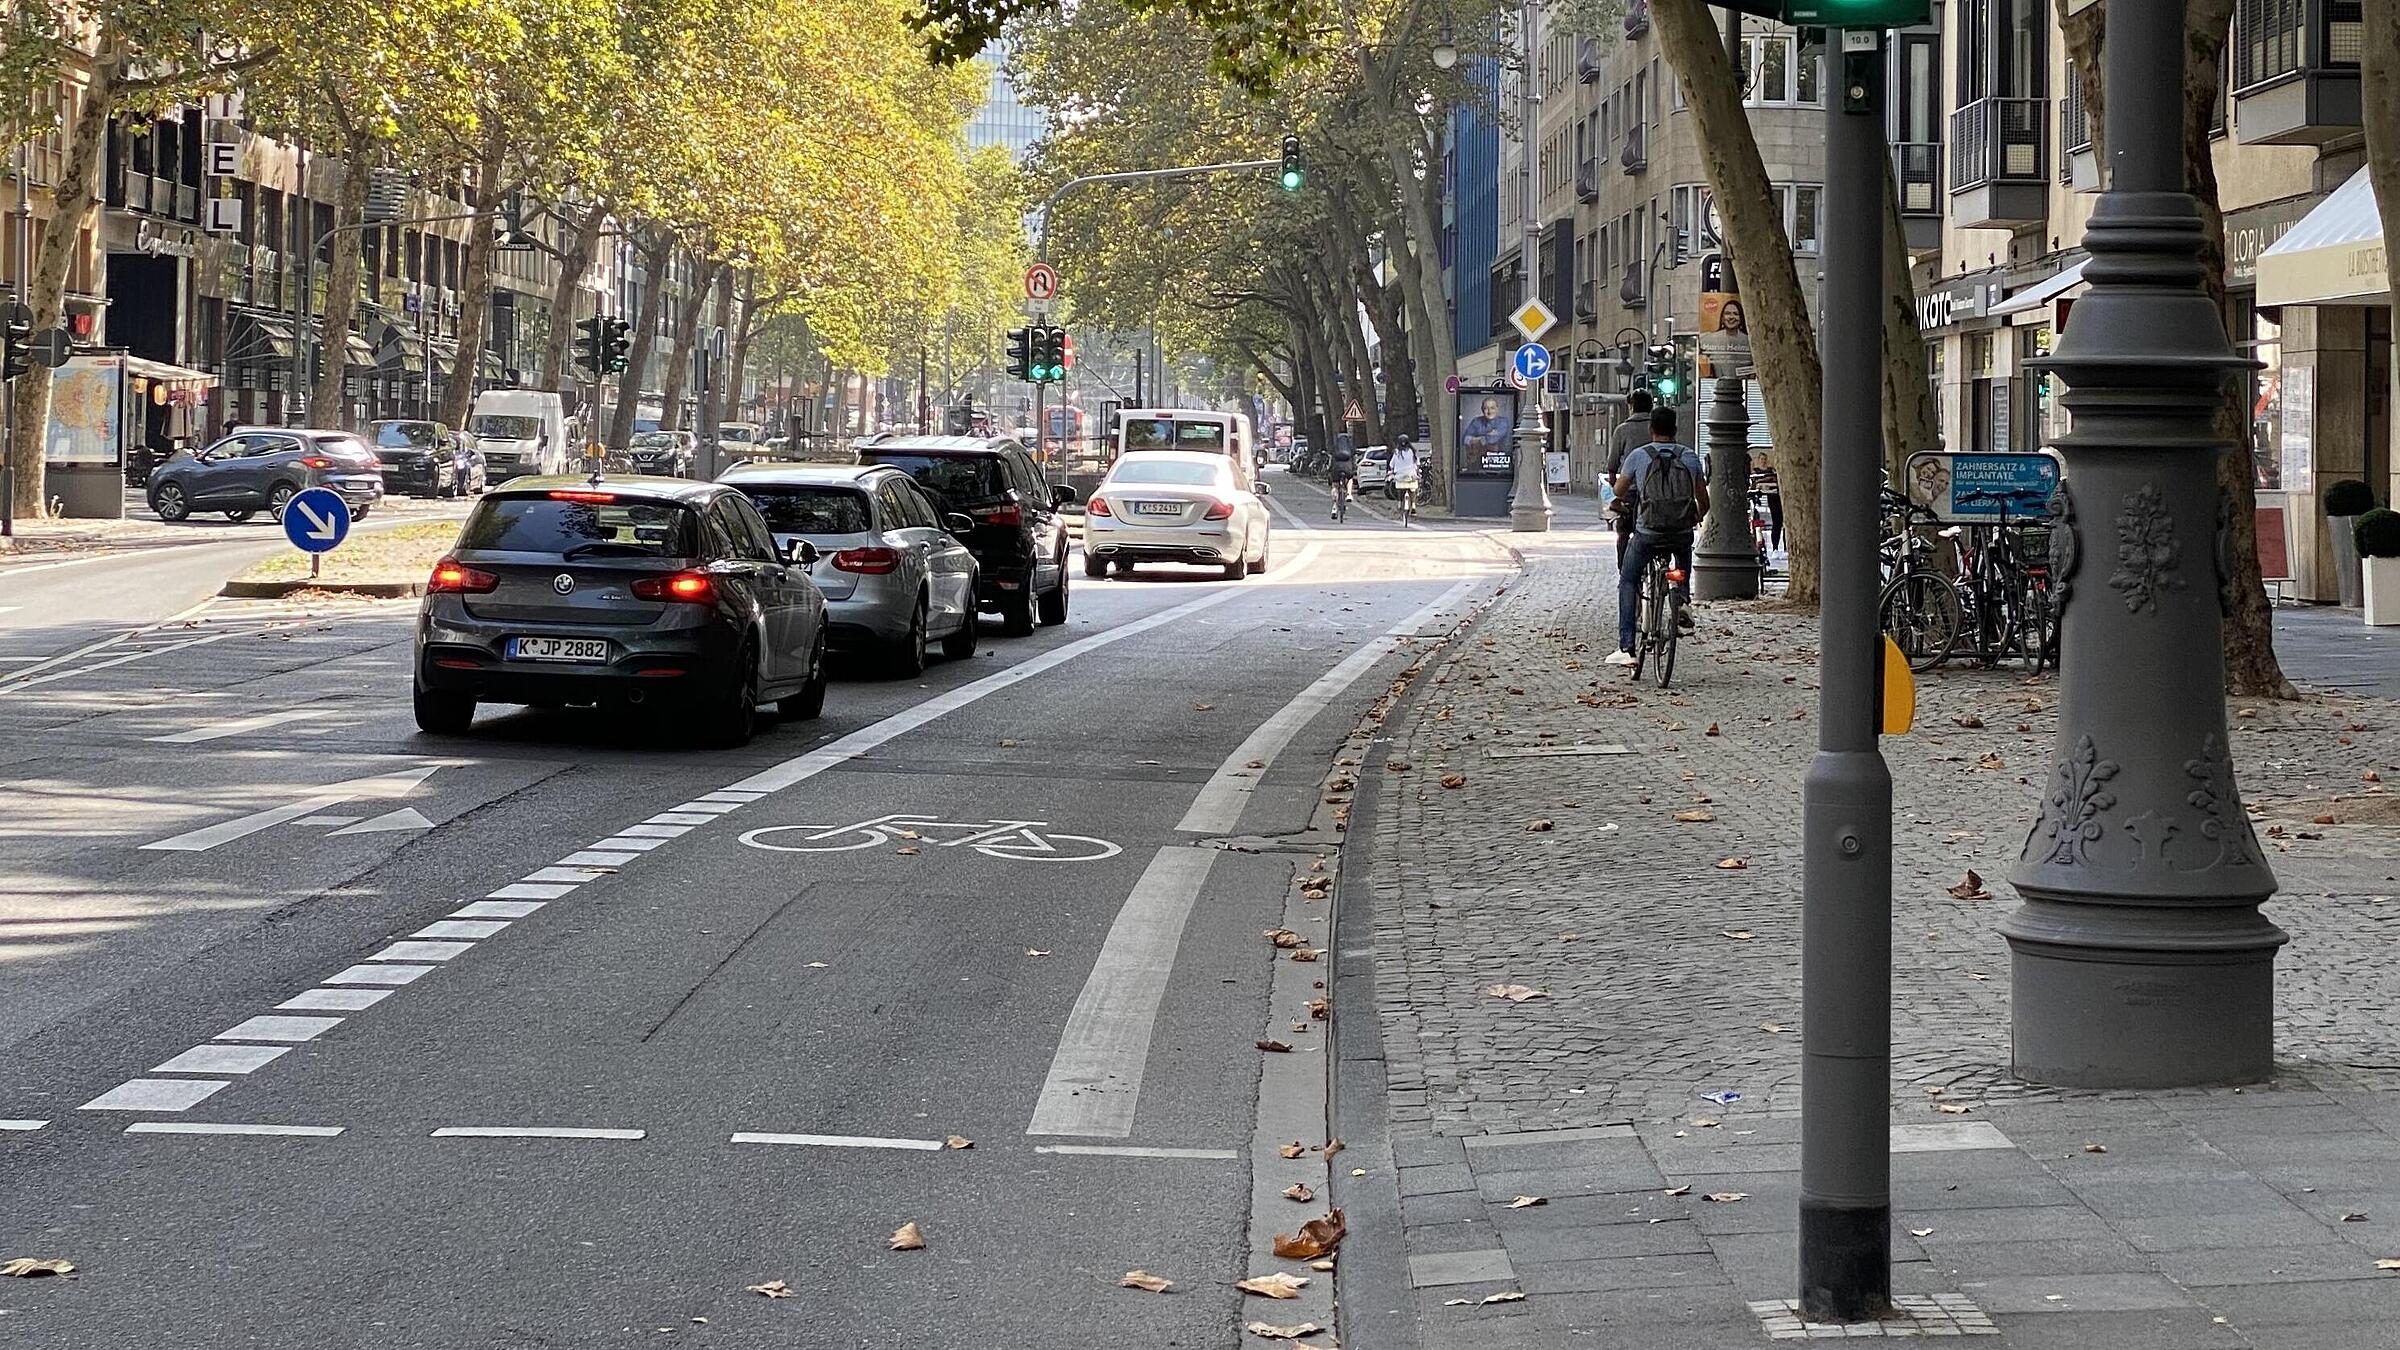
x: 1619, y: 658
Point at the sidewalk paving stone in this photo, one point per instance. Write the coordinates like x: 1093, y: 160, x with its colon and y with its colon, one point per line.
x: 2188, y: 1219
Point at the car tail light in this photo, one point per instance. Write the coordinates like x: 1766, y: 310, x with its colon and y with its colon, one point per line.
x: 373, y: 462
x: 1097, y: 507
x: 1011, y: 514
x: 597, y: 498
x: 1218, y: 511
x: 872, y: 562
x: 1675, y: 575
x: 690, y: 588
x: 452, y: 577
x: 315, y: 462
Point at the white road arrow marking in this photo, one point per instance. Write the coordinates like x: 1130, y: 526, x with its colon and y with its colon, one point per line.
x: 320, y: 527
x: 382, y: 786
x: 406, y: 818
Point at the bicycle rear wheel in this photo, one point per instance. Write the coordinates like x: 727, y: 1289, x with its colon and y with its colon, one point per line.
x: 1661, y: 624
x: 1920, y: 612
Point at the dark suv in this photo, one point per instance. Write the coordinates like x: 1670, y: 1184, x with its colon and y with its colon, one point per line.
x: 254, y: 467
x: 1017, y: 537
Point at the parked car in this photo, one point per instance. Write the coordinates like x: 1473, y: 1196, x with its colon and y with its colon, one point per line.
x: 621, y: 592
x: 254, y: 468
x: 894, y: 572
x: 1375, y: 469
x: 1185, y: 506
x: 668, y: 454
x: 1016, y: 533
x: 419, y: 458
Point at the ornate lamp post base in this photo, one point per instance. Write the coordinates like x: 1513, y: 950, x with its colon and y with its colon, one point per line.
x: 2136, y: 998
x: 1725, y: 566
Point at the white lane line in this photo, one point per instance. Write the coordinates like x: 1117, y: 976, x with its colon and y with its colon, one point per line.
x: 707, y: 808
x: 385, y: 975
x: 839, y: 1141
x: 498, y: 909
x: 1218, y: 808
x: 14, y: 1125
x: 530, y: 1132
x: 679, y: 818
x: 382, y: 787
x: 569, y: 876
x: 279, y: 1029
x: 628, y: 843
x: 594, y: 858
x: 1137, y: 1151
x: 522, y: 891
x: 216, y: 1127
x: 334, y: 1000
x: 16, y: 679
x: 470, y: 929
x: 654, y: 831
x: 801, y: 768
x: 17, y: 676
x: 156, y: 1094
x: 219, y: 730
x: 421, y: 951
x: 736, y: 796
x: 1095, y: 1078
x: 223, y: 1059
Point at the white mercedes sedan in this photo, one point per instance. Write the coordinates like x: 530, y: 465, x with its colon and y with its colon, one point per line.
x: 1175, y: 506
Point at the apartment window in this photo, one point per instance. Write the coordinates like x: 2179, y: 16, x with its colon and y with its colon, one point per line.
x: 1684, y: 214
x: 2001, y: 49
x: 1779, y: 73
x: 1918, y: 112
x: 1805, y: 218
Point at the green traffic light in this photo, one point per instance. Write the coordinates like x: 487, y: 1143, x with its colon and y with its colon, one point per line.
x: 1669, y: 388
x: 1291, y: 180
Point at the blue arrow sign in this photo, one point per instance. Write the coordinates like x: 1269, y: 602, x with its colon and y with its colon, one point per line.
x: 1532, y: 362
x: 316, y: 521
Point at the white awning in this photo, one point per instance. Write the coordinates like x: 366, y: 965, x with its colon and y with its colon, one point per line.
x: 2334, y: 256
x: 2044, y: 291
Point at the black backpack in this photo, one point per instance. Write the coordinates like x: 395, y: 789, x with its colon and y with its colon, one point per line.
x: 1666, y: 490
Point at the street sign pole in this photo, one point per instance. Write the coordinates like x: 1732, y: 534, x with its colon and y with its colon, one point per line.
x: 1529, y: 499
x: 1845, y: 1270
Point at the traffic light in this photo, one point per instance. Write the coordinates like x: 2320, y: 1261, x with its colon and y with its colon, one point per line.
x: 1049, y: 355
x: 587, y: 346
x: 1020, y: 353
x: 19, y: 332
x: 1665, y: 374
x: 1293, y: 174
x: 616, y: 344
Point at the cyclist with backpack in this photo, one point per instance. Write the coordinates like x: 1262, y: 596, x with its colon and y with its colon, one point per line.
x: 1670, y: 489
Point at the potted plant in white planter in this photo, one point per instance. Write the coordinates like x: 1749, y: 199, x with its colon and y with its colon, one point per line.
x: 2345, y: 500
x: 2378, y: 536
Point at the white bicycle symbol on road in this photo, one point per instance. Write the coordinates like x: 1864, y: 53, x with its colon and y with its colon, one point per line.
x: 1018, y: 839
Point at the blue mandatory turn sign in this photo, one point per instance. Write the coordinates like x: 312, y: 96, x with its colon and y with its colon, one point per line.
x: 1531, y: 362
x: 317, y: 520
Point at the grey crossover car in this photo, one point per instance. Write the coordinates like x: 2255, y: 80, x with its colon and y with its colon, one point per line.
x: 264, y: 467
x: 621, y: 592
x: 895, y: 573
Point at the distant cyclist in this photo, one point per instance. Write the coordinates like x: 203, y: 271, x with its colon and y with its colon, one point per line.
x: 1404, y: 479
x: 1626, y: 437
x: 1341, y: 474
x: 1671, y: 494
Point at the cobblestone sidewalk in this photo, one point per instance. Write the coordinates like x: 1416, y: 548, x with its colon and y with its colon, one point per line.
x: 1633, y: 858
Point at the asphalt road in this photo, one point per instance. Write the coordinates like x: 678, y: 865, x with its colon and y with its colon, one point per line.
x: 577, y: 1034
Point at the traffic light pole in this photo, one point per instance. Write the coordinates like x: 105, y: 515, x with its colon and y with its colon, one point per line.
x: 1041, y: 246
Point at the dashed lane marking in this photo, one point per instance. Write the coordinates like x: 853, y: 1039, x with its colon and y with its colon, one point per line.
x: 156, y: 1094
x: 272, y: 1028
x: 379, y: 974
x: 227, y: 1127
x: 334, y: 1000
x: 20, y: 1125
x: 498, y: 909
x: 420, y: 951
x: 1138, y: 1151
x: 531, y: 1132
x: 223, y: 1059
x: 839, y: 1141
x: 213, y: 731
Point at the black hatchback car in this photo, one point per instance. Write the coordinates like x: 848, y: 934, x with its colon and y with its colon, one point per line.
x: 1017, y: 536
x: 621, y: 592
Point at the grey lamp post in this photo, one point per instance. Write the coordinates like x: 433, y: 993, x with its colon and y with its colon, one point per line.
x: 1725, y: 565
x: 1529, y: 500
x: 2140, y: 957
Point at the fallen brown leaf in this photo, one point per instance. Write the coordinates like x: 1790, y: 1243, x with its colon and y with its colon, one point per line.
x: 1733, y: 864
x: 1142, y: 1279
x: 1920, y: 1232
x: 1505, y: 1296
x: 1971, y: 722
x: 1454, y: 780
x: 1203, y: 707
x: 1271, y: 1332
x: 1514, y: 993
x: 1740, y: 934
x: 1255, y: 764
x: 2095, y: 1148
x: 2354, y: 1217
x: 912, y: 848
x: 1774, y: 1028
x: 1274, y: 1047
x: 1284, y: 937
x: 2388, y: 1263
x: 1712, y: 730
x: 772, y: 1289
x: 1333, y: 1146
x: 1299, y: 1191
x: 1677, y: 1190
x: 1318, y: 1237
x: 1952, y: 1108
x: 1970, y: 887
x: 908, y: 1238
x: 1695, y: 816
x: 1540, y: 826
x: 1321, y: 1265
x: 1307, y: 953
x: 1037, y: 951
x: 1989, y: 760
x: 2323, y: 820
x: 1277, y: 1285
x: 958, y: 1141
x: 1527, y: 1201
x: 1725, y: 1197
x: 1293, y: 1149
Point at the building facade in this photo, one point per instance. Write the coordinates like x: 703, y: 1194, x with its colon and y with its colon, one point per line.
x: 1004, y: 119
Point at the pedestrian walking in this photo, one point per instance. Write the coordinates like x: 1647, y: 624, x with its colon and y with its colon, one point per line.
x: 1629, y: 435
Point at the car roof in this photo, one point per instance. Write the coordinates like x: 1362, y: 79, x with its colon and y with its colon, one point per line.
x: 806, y: 475
x: 1211, y: 458
x: 624, y: 484
x: 939, y: 445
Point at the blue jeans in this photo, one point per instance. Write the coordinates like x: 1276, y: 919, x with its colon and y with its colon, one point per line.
x: 1638, y: 554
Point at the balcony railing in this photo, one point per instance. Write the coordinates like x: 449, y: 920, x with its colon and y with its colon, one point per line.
x: 1633, y: 292
x: 1637, y: 18
x: 1917, y: 169
x: 1636, y: 154
x: 2274, y: 40
x: 1587, y: 61
x: 1587, y: 300
x: 1587, y: 182
x: 1998, y: 140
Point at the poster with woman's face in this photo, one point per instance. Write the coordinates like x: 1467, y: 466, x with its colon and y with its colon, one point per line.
x: 1487, y: 427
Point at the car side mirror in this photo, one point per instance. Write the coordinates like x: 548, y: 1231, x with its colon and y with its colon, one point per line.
x: 958, y: 524
x: 1062, y: 495
x: 1264, y: 490
x: 800, y: 553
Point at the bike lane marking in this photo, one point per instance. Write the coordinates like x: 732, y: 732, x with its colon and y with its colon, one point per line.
x: 1218, y: 808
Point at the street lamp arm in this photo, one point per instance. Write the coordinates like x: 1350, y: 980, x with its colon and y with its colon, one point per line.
x: 1041, y: 250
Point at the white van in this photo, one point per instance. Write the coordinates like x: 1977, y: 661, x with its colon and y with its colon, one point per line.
x: 1227, y: 433
x: 521, y: 431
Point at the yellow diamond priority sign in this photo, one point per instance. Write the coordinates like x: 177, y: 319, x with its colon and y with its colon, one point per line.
x: 1533, y: 318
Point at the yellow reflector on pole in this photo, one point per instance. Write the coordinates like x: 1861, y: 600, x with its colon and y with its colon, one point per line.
x: 1899, y: 690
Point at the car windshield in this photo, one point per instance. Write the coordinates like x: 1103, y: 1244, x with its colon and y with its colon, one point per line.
x: 732, y: 433
x: 506, y: 426
x: 792, y: 509
x: 558, y: 526
x: 1173, y: 471
x: 1169, y: 433
x: 955, y: 478
x: 407, y: 435
x: 654, y: 440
